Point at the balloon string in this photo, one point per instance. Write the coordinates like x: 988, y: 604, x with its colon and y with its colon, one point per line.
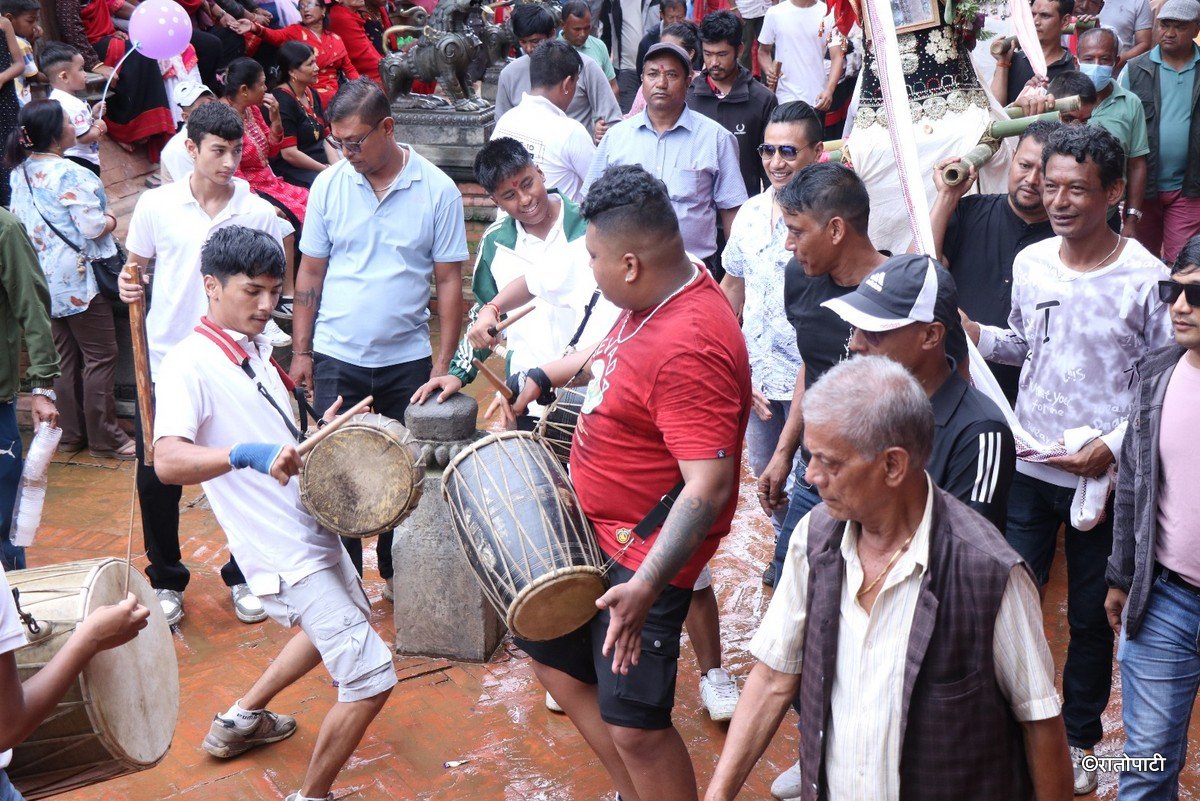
x: 104, y: 95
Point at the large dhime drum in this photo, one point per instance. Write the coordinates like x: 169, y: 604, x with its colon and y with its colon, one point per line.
x: 363, y: 479
x: 526, y: 537
x: 119, y: 715
x: 558, y: 423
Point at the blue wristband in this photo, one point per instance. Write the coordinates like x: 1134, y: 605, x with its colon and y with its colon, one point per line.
x: 257, y: 455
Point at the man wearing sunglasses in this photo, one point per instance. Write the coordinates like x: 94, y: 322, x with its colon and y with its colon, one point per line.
x: 381, y: 224
x: 1154, y: 571
x: 907, y: 310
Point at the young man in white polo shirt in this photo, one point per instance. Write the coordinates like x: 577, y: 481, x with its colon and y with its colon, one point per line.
x: 170, y: 225
x: 560, y: 146
x: 224, y: 406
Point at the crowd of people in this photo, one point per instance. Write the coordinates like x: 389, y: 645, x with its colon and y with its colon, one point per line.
x: 920, y: 426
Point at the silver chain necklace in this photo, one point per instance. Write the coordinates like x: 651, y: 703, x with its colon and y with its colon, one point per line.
x: 683, y: 286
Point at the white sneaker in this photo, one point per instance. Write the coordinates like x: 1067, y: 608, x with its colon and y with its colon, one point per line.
x: 277, y: 336
x: 171, y: 602
x: 719, y: 694
x: 1085, y: 779
x: 789, y: 784
x: 552, y: 705
x: 246, y: 605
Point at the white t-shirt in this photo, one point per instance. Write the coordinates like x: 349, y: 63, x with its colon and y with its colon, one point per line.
x: 632, y: 30
x: 1076, y: 337
x: 169, y: 225
x: 1126, y: 18
x: 559, y: 145
x: 81, y: 118
x: 800, y: 45
x: 12, y: 636
x: 175, y: 161
x: 204, y: 397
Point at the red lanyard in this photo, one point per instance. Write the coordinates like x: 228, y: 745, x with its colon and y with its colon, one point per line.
x: 237, y: 354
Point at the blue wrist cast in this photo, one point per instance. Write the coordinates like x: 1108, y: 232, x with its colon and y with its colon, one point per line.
x: 257, y: 455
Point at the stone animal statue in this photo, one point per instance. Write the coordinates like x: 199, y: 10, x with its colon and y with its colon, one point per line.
x: 440, y: 56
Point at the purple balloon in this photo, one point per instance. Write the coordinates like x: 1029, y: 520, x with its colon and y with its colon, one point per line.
x: 160, y: 28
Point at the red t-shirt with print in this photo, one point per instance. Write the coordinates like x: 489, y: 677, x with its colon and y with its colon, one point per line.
x: 676, y: 390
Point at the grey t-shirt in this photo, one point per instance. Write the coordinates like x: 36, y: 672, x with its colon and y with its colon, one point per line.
x: 593, y: 99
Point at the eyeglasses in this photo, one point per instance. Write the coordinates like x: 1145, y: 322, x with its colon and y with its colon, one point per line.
x: 788, y: 152
x: 354, y: 145
x: 1169, y: 292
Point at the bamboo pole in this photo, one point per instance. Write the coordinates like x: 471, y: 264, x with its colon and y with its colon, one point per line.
x: 141, y: 364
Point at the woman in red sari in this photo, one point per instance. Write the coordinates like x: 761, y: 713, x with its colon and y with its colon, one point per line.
x: 332, y: 58
x: 347, y: 18
x: 139, y: 109
x: 245, y: 91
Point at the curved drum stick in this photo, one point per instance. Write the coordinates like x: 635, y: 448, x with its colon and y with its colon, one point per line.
x: 333, y: 425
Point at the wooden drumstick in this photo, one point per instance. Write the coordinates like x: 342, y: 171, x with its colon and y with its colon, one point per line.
x: 333, y: 425
x: 493, y: 379
x: 512, y: 318
x: 141, y: 364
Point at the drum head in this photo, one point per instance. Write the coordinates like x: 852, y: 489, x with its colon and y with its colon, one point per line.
x: 360, y: 480
x: 556, y: 604
x: 134, y: 689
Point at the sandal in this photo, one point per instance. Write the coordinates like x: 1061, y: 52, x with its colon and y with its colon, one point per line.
x: 126, y: 453
x: 70, y: 447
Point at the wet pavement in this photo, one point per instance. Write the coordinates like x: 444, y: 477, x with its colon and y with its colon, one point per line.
x: 489, y: 717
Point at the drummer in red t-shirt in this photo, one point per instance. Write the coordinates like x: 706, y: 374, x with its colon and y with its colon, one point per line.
x: 667, y: 404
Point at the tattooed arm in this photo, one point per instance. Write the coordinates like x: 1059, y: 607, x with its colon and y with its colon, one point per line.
x: 708, y: 485
x: 309, y: 280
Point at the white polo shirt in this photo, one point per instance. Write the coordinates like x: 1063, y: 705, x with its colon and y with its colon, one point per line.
x: 202, y: 396
x: 169, y: 226
x: 559, y: 145
x: 12, y: 637
x: 174, y: 158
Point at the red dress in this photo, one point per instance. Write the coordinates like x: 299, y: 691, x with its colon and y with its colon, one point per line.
x: 257, y: 150
x: 350, y: 26
x: 331, y: 56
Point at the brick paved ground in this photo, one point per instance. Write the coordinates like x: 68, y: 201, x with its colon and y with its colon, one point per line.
x: 491, y: 715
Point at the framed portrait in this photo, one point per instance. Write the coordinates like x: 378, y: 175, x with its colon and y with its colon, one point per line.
x: 915, y: 15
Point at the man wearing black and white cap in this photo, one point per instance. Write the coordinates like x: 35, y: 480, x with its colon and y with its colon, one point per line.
x: 907, y: 310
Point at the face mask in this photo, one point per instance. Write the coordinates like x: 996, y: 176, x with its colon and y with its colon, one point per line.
x: 1101, y: 75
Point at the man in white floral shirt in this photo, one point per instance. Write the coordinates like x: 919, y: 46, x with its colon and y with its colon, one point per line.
x: 755, y: 259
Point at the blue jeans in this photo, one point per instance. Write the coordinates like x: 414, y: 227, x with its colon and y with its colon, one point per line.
x: 7, y: 791
x: 803, y: 498
x: 1160, y: 674
x: 11, y: 556
x: 761, y: 438
x: 1035, y: 511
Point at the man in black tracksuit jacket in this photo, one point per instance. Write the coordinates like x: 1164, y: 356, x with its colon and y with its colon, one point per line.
x: 744, y: 106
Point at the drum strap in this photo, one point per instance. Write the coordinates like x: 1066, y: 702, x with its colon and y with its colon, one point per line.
x: 587, y: 315
x: 655, y: 517
x: 237, y: 354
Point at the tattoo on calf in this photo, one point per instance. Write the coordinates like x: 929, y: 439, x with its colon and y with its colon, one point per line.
x: 685, y: 528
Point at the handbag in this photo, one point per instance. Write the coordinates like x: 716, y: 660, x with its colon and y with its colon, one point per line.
x: 106, y: 269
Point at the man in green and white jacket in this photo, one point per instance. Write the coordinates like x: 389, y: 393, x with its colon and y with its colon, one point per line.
x: 534, y: 252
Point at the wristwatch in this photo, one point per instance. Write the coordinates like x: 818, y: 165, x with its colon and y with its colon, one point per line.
x: 1135, y: 213
x: 45, y: 392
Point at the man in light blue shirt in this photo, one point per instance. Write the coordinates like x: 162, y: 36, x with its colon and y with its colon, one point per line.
x: 695, y: 157
x: 381, y: 223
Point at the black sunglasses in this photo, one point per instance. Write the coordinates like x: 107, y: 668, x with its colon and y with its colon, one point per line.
x: 1169, y: 292
x: 789, y: 152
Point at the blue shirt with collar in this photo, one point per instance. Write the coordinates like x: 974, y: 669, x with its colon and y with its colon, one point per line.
x: 375, y: 300
x: 696, y: 158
